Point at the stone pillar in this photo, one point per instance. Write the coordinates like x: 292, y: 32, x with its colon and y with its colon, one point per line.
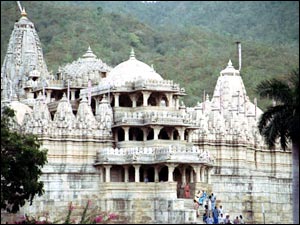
x: 183, y: 177
x: 116, y: 96
x: 190, y: 136
x: 181, y: 133
x: 107, y: 173
x: 146, y: 95
x: 156, y: 130
x: 202, y: 173
x: 171, y: 168
x: 170, y: 99
x: 137, y: 173
x: 209, y: 169
x: 156, y: 177
x: 126, y: 133
x: 126, y: 173
x: 72, y: 95
x: 48, y: 93
x: 133, y: 99
x: 197, y: 170
x: 145, y: 133
x: 192, y: 176
x: 101, y: 174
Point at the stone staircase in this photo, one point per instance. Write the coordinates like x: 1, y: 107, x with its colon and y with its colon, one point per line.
x: 189, y: 204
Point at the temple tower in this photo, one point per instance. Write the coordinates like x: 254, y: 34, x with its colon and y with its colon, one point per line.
x: 24, y: 63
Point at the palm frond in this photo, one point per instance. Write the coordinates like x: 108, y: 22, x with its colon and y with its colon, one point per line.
x: 275, y: 89
x: 274, y: 124
x: 268, y: 116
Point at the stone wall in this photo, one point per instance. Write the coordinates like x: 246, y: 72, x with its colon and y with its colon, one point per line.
x: 245, y: 179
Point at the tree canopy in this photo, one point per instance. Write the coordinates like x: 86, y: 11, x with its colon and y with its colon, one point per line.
x: 21, y: 163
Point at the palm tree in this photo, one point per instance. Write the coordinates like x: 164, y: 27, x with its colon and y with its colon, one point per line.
x: 282, y: 121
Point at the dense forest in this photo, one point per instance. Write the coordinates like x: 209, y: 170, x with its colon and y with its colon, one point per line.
x: 188, y: 42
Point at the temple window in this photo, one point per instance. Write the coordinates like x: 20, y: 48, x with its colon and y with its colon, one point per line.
x: 121, y: 134
x: 125, y: 101
x: 139, y: 101
x: 136, y: 134
x: 131, y: 173
x: 150, y: 135
x: 176, y: 135
x: 93, y: 106
x: 164, y: 101
x: 163, y: 174
x: 77, y: 93
x: 163, y: 134
x: 152, y: 100
x: 117, y: 173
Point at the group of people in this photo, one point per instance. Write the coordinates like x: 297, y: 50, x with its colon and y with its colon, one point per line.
x: 213, y: 214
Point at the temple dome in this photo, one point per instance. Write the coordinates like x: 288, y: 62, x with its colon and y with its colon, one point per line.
x: 132, y: 70
x: 86, y: 68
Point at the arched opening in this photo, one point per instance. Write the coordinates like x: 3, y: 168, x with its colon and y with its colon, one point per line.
x: 142, y: 174
x: 186, y: 135
x: 117, y: 174
x: 178, y: 177
x: 176, y: 135
x: 163, y: 134
x: 93, y: 106
x: 140, y: 100
x: 136, y: 134
x: 164, y: 101
x: 131, y: 174
x: 150, y: 174
x: 121, y: 134
x: 125, y: 101
x: 163, y: 174
x: 152, y: 100
x: 150, y: 135
x: 77, y: 94
x: 146, y: 172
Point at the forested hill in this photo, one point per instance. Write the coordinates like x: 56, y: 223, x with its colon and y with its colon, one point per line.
x: 275, y: 22
x: 183, y: 49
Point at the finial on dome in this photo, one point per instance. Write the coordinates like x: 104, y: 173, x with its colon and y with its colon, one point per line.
x: 207, y: 97
x: 152, y: 67
x: 89, y: 53
x: 23, y: 13
x: 229, y: 63
x: 132, y: 55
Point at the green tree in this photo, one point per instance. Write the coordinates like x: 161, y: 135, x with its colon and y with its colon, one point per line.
x: 21, y: 163
x: 282, y: 121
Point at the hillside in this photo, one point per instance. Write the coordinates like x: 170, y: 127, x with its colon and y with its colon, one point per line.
x: 188, y: 54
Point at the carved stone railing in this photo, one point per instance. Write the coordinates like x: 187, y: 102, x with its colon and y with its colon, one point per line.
x: 163, y: 85
x: 107, y: 86
x: 156, y: 154
x: 151, y: 115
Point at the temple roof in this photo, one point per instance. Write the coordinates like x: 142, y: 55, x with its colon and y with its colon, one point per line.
x: 132, y: 70
x: 230, y: 70
x: 85, y: 68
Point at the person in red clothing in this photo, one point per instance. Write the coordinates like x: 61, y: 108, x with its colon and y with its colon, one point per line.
x: 187, y: 193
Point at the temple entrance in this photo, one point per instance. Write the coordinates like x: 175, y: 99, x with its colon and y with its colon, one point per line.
x: 163, y: 174
x: 147, y: 174
x: 177, y: 177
